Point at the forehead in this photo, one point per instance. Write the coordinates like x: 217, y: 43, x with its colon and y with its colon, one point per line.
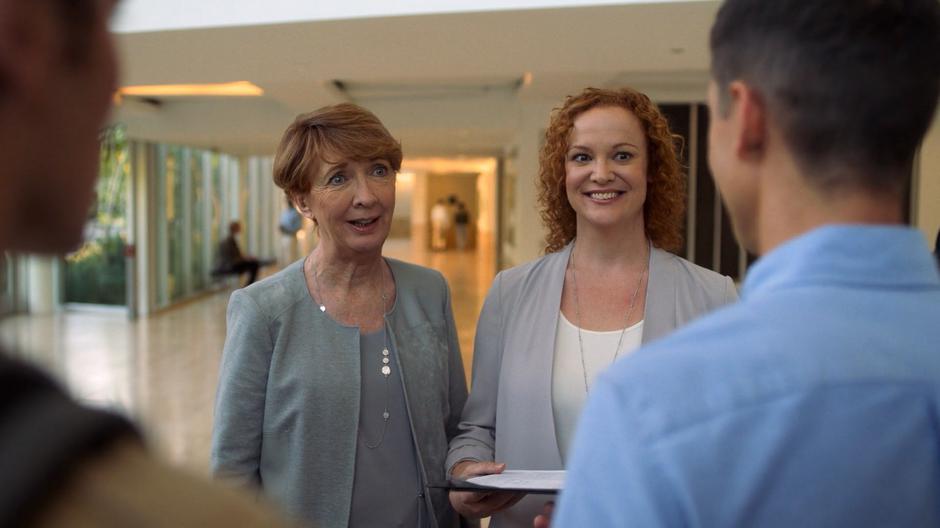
x: 607, y: 125
x: 329, y: 162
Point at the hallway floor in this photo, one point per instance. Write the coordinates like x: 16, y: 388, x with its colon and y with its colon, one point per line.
x: 162, y: 369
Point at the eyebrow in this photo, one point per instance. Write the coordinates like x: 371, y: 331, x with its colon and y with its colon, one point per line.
x: 618, y: 145
x: 330, y: 167
x: 343, y: 164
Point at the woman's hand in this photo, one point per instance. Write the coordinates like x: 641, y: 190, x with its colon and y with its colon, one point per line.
x: 475, y: 504
x: 544, y: 519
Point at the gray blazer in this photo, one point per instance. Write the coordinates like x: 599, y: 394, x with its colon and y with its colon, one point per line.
x: 509, y: 416
x: 287, y: 408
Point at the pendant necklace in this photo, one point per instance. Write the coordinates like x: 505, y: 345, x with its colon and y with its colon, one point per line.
x: 577, y: 311
x: 385, y: 370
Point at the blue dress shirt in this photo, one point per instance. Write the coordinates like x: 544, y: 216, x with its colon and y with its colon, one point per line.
x: 814, y: 401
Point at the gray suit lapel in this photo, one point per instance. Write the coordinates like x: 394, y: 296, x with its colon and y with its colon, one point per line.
x: 549, y: 303
x: 660, y: 315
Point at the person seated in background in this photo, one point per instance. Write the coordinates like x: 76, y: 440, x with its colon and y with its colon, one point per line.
x: 64, y: 464
x: 813, y: 401
x: 231, y: 259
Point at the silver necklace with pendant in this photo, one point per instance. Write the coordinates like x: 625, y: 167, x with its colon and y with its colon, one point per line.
x: 577, y: 311
x: 386, y: 360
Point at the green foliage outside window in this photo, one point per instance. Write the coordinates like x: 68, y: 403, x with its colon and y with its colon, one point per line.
x: 96, y: 273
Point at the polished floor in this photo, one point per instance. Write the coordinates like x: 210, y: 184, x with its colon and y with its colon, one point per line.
x: 162, y: 369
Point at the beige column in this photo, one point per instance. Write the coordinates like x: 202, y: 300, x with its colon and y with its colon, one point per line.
x: 42, y: 290
x: 926, y: 214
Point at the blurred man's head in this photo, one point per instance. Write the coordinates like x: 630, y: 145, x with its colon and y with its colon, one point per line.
x: 848, y: 86
x: 57, y: 77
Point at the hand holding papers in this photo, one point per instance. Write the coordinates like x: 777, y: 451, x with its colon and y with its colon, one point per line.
x: 472, y: 500
x: 534, y: 481
x: 476, y: 495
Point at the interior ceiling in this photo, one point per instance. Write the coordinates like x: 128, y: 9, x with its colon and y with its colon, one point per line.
x: 445, y: 85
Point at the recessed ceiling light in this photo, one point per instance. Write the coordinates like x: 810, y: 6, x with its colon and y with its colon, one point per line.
x: 232, y: 89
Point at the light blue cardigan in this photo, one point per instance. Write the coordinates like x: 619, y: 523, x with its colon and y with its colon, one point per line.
x: 287, y: 408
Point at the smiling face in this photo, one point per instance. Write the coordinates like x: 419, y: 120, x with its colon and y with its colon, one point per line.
x: 605, y: 168
x: 352, y: 202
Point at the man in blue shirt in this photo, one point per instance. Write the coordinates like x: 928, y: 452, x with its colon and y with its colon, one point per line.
x: 815, y: 400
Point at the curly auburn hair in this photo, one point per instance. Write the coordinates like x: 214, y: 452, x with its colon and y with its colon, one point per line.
x: 664, y: 209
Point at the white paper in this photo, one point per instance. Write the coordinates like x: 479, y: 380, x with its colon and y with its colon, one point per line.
x: 535, y: 480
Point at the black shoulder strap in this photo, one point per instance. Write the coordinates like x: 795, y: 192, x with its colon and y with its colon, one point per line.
x: 44, y: 435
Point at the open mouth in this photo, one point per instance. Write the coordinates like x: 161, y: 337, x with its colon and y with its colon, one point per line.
x: 603, y: 196
x: 364, y: 222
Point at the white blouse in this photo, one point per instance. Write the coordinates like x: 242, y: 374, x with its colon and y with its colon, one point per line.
x: 568, y: 391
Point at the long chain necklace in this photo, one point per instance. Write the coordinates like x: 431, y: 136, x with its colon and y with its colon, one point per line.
x: 577, y: 311
x: 386, y: 368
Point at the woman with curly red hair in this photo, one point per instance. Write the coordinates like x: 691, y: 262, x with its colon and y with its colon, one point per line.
x: 612, y: 197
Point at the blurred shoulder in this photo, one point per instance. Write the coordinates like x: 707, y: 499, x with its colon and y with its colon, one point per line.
x: 126, y: 486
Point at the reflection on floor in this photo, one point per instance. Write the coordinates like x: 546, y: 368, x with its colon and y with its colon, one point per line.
x: 162, y: 369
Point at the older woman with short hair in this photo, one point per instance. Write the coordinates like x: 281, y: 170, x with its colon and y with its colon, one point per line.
x: 341, y: 380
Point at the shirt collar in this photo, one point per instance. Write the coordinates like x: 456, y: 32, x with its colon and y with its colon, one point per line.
x: 871, y: 255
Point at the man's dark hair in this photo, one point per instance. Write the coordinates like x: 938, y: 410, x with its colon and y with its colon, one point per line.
x: 936, y: 247
x: 853, y: 84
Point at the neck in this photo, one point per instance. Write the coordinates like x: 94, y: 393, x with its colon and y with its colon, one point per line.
x: 624, y: 246
x: 793, y: 209
x: 344, y: 272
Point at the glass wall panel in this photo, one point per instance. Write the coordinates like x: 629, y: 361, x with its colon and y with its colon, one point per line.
x: 6, y: 282
x: 197, y: 193
x: 193, y: 194
x: 175, y: 223
x: 197, y: 226
x: 161, y: 251
x: 96, y: 272
x: 217, y: 220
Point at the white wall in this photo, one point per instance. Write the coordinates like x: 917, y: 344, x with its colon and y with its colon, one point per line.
x: 529, y: 233
x: 486, y: 194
